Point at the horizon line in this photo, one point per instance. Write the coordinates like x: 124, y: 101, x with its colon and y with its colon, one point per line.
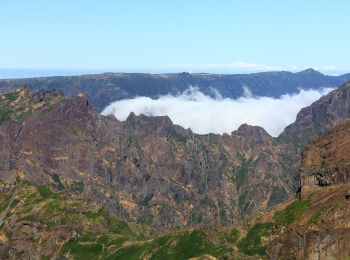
x: 97, y: 71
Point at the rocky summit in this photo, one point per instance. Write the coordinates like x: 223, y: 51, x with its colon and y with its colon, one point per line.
x: 78, y: 185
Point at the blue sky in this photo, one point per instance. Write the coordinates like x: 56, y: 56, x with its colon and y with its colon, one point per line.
x: 213, y: 36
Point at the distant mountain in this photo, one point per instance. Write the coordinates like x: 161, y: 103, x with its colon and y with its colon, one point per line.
x: 102, y: 89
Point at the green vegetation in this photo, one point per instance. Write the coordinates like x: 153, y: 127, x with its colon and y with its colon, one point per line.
x: 56, y: 178
x: 252, y: 244
x: 207, y: 201
x: 5, y: 114
x: 77, y: 186
x: 180, y: 138
x: 278, y: 195
x: 5, y: 200
x: 196, y: 217
x: 14, y: 106
x: 46, y: 192
x: 242, y: 173
x: 135, y: 141
x: 40, y: 204
x: 316, y: 217
x: 231, y: 237
x: 102, y: 236
x: 18, y: 104
x: 222, y: 215
x: 12, y: 96
x: 191, y: 244
x: 244, y: 204
x: 74, y: 130
x: 119, y: 227
x: 82, y: 251
x: 179, y: 245
x: 291, y: 214
x: 174, y: 246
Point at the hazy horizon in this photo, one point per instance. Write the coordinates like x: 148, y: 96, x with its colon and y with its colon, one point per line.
x: 13, y: 73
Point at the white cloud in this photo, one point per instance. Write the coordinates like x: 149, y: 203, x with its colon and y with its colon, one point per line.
x: 204, y: 114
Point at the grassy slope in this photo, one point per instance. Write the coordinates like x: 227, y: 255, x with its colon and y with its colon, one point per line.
x: 18, y: 104
x: 102, y: 236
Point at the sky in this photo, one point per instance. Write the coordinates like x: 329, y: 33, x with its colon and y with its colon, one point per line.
x: 224, y: 36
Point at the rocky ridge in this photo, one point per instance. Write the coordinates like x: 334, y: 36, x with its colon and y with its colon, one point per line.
x: 154, y: 174
x: 321, y: 229
x: 146, y: 170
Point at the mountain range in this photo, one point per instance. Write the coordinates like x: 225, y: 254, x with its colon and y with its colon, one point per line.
x: 76, y: 184
x: 102, y: 89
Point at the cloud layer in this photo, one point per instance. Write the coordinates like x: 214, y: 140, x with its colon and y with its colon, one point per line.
x: 204, y: 114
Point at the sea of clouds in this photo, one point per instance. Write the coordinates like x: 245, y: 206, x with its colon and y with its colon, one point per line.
x: 205, y: 114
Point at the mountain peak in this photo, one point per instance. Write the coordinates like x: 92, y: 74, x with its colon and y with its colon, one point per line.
x: 249, y: 130
x: 310, y: 71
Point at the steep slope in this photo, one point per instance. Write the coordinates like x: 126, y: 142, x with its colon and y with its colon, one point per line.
x: 146, y: 170
x: 320, y: 230
x: 103, y: 89
x: 154, y: 174
x: 315, y: 225
x: 319, y: 117
x: 312, y: 122
x: 327, y: 161
x: 39, y: 223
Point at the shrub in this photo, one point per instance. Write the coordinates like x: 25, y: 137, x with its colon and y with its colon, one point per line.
x: 252, y: 243
x: 46, y: 193
x: 292, y: 213
x: 277, y: 196
x: 231, y: 237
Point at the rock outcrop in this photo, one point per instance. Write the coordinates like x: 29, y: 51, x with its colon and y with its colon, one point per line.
x: 327, y: 161
x: 318, y: 118
x: 322, y: 230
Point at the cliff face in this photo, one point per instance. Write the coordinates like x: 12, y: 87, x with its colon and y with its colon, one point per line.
x: 327, y: 161
x: 149, y: 171
x: 318, y: 118
x: 146, y: 170
x: 322, y: 231
x: 312, y: 122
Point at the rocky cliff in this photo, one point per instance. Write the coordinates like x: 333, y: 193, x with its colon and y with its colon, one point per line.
x: 318, y: 118
x: 320, y: 229
x: 146, y: 170
x: 326, y: 161
x: 159, y: 176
